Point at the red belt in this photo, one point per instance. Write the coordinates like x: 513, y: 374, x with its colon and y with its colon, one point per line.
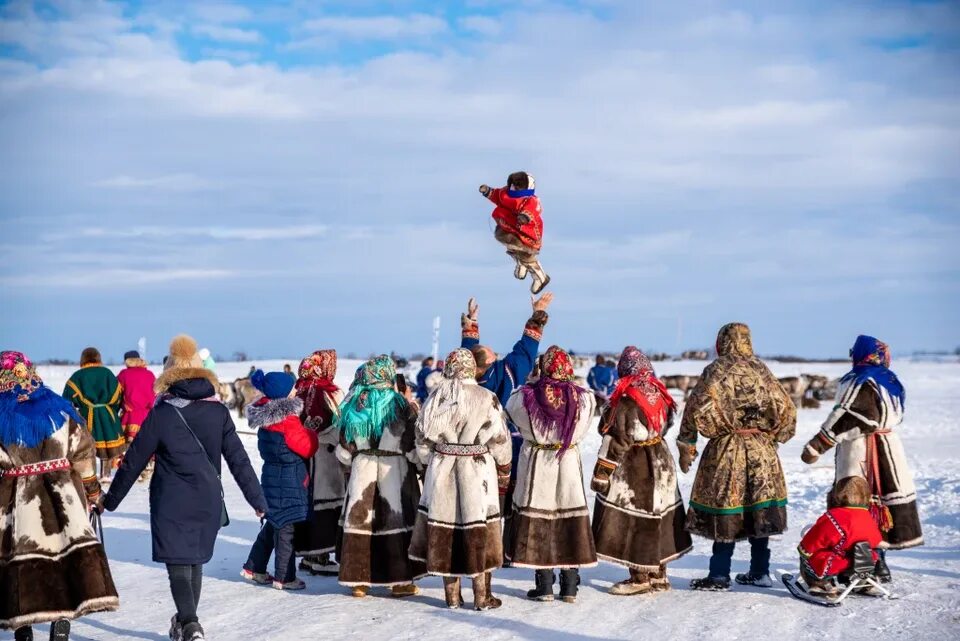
x: 33, y: 469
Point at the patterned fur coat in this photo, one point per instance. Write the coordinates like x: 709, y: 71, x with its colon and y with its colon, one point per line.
x: 51, y: 564
x: 550, y: 523
x: 458, y: 526
x: 740, y: 490
x: 861, y: 426
x: 380, y: 507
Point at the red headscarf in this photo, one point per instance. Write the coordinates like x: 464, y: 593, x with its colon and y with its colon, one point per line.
x: 315, y: 387
x: 638, y: 381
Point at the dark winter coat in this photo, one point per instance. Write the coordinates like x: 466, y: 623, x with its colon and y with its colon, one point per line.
x: 602, y: 379
x: 185, y: 498
x: 285, y: 445
x: 422, y: 375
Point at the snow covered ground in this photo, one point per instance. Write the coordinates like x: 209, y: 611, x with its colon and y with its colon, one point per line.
x: 927, y: 579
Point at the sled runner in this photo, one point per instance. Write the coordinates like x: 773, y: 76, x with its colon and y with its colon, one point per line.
x: 861, y: 579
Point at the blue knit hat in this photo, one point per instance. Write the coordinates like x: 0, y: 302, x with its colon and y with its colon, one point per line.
x: 273, y: 385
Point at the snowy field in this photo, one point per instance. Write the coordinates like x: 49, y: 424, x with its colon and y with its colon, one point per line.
x: 927, y: 579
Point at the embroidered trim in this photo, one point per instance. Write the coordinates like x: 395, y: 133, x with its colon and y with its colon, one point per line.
x: 378, y: 452
x: 457, y: 449
x: 653, y: 441
x: 738, y: 509
x: 35, y: 469
x: 610, y: 465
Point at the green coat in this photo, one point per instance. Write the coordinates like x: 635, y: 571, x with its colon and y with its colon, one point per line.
x: 98, y: 397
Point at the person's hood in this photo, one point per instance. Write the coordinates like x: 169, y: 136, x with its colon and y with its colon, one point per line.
x: 192, y: 389
x: 734, y: 340
x: 272, y: 411
x: 168, y: 379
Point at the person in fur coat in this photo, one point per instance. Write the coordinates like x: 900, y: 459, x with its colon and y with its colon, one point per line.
x: 739, y: 491
x: 870, y: 403
x: 52, y: 567
x: 550, y: 524
x: 825, y: 548
x: 377, y: 429
x: 285, y: 446
x: 186, y: 493
x: 138, y: 398
x: 638, y: 519
x: 519, y: 219
x: 463, y: 440
x: 316, y: 538
x: 98, y: 396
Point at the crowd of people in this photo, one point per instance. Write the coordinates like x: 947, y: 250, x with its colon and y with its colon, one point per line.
x: 477, y: 468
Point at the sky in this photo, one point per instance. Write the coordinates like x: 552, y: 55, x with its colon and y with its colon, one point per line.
x: 281, y: 177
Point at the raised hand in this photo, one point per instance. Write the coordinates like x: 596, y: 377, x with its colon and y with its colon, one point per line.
x: 485, y: 190
x: 541, y: 304
x: 473, y: 308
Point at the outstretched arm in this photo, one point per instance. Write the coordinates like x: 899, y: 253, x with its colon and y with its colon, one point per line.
x: 134, y: 461
x: 857, y: 413
x: 240, y: 467
x: 521, y: 359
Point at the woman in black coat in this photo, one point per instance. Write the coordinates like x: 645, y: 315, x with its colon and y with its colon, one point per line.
x: 185, y: 493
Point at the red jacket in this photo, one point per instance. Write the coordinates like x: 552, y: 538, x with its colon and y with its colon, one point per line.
x: 301, y: 441
x: 530, y: 233
x: 138, y: 396
x: 826, y: 547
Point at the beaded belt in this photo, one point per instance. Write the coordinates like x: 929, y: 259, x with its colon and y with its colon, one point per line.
x: 376, y: 452
x: 653, y: 441
x: 456, y: 449
x: 546, y: 446
x: 33, y: 469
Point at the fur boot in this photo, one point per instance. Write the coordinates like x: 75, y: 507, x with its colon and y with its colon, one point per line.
x: 483, y: 598
x: 451, y: 589
x: 540, y: 278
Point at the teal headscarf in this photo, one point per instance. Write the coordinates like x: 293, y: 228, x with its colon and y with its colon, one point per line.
x: 373, y: 402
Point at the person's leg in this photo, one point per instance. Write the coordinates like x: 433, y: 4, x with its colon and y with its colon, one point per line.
x: 451, y: 591
x: 261, y: 550
x: 196, y: 580
x: 284, y: 567
x: 513, y: 246
x: 24, y: 633
x: 721, y: 559
x: 181, y: 588
x: 760, y: 556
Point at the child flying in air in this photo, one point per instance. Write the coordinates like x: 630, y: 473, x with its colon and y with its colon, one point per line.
x: 519, y: 225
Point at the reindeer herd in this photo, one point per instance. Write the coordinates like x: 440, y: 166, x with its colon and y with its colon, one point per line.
x: 806, y: 390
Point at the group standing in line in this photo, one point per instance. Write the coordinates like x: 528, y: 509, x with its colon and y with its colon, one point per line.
x: 482, y: 472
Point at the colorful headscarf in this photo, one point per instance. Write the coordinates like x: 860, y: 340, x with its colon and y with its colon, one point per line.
x: 639, y: 382
x: 373, y: 402
x: 315, y: 387
x: 553, y: 401
x: 29, y: 411
x: 871, y: 360
x: 447, y: 397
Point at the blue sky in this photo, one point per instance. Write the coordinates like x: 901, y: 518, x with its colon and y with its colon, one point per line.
x: 278, y: 177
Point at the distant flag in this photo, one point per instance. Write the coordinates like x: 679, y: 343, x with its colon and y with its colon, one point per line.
x: 142, y: 347
x: 436, y: 339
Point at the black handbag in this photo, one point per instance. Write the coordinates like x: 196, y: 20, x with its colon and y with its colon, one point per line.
x: 224, y: 517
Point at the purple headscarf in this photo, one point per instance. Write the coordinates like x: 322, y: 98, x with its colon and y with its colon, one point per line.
x: 553, y: 402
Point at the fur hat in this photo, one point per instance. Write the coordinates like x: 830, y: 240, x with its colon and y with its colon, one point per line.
x: 183, y: 363
x: 850, y: 491
x: 90, y: 356
x: 520, y: 180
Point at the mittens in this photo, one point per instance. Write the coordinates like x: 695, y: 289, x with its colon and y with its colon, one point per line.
x: 602, y: 472
x: 523, y: 218
x: 485, y: 190
x: 809, y: 455
x: 688, y: 454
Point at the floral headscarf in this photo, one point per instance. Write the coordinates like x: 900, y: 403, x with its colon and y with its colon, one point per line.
x: 639, y: 382
x: 553, y: 401
x: 373, y: 402
x: 448, y: 396
x: 871, y: 360
x: 315, y: 387
x: 29, y: 410
x: 321, y: 365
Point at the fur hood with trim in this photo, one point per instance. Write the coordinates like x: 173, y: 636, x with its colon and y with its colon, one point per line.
x: 172, y: 376
x: 272, y: 412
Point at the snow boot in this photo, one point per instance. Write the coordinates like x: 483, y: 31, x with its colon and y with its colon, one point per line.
x: 659, y: 581
x: 295, y: 584
x: 636, y: 584
x: 60, y: 630
x: 540, y: 279
x: 757, y: 580
x: 544, y: 589
x: 452, y: 592
x: 359, y: 591
x: 320, y: 565
x: 405, y: 590
x: 193, y: 632
x: 23, y: 634
x: 176, y: 630
x: 520, y: 271
x: 258, y: 578
x: 882, y: 570
x: 569, y: 582
x: 711, y: 584
x: 483, y: 598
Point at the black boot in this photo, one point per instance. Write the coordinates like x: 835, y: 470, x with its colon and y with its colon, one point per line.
x: 756, y: 580
x: 60, y: 630
x: 711, y: 584
x: 544, y: 589
x: 569, y: 581
x: 882, y: 571
x: 23, y: 634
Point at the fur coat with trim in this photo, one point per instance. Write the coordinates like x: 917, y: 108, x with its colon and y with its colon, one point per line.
x: 51, y: 564
x: 549, y: 524
x: 318, y: 535
x: 458, y: 529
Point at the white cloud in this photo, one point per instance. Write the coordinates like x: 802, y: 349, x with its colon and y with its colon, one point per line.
x: 113, y: 278
x: 221, y: 13
x: 385, y: 27
x: 483, y: 25
x: 279, y: 232
x: 169, y: 182
x: 222, y: 33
